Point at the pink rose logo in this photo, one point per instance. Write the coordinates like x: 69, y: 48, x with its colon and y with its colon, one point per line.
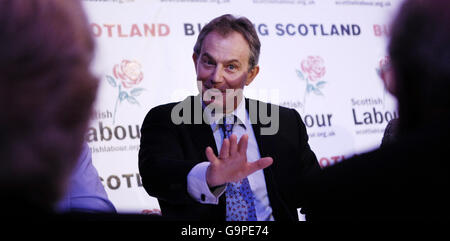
x: 386, y: 75
x: 312, y: 71
x: 384, y: 67
x: 126, y: 76
x: 129, y: 73
x: 313, y: 67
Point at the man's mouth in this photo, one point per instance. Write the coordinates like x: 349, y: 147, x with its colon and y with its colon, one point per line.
x: 215, y: 90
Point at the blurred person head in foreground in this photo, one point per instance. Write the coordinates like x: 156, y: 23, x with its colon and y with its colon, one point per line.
x: 46, y: 96
x: 420, y: 60
x: 407, y: 179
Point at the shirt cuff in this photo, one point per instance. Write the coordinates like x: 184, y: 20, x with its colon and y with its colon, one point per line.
x: 198, y: 187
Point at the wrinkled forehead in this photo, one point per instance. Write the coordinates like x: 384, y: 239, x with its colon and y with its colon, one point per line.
x: 230, y: 45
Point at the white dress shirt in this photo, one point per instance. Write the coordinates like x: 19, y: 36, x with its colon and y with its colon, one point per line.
x: 197, y: 185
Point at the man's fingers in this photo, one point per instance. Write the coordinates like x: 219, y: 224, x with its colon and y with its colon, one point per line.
x: 233, y: 145
x: 243, y: 143
x: 225, y: 149
x: 210, y: 155
x: 259, y: 164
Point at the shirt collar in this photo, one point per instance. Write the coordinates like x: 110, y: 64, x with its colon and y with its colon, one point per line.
x: 240, y: 112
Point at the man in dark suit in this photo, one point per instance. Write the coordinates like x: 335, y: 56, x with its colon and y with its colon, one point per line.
x: 407, y: 179
x: 202, y: 157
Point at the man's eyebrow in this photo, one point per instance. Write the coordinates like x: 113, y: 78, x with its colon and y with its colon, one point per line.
x: 234, y: 60
x: 206, y: 54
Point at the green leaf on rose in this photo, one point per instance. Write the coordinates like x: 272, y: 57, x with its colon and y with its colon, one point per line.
x: 320, y: 84
x: 300, y: 74
x: 378, y: 72
x: 309, y: 88
x: 123, y: 95
x: 317, y: 91
x: 136, y: 91
x: 132, y: 100
x: 111, y: 81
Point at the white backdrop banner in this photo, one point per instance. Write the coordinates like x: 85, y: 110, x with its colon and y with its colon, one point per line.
x: 320, y: 57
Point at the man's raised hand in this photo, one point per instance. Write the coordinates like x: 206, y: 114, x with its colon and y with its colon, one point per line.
x: 231, y: 165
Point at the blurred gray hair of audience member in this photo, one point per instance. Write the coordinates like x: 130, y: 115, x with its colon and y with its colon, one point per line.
x: 46, y: 97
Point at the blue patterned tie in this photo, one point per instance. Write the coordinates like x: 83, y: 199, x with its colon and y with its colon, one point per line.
x: 240, y: 199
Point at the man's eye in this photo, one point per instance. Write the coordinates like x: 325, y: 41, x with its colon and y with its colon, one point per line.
x: 208, y: 62
x: 231, y: 67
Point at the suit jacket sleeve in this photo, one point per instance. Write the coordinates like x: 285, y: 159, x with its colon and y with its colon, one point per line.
x: 161, y: 164
x: 307, y: 156
x: 293, y: 158
x: 308, y: 159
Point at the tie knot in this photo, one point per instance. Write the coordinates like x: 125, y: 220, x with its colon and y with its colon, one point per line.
x: 227, y: 124
x: 229, y: 120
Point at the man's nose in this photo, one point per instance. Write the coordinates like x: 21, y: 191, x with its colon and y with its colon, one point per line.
x: 217, y: 75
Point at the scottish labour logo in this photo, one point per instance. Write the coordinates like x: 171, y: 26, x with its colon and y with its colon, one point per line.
x: 126, y: 77
x: 312, y: 71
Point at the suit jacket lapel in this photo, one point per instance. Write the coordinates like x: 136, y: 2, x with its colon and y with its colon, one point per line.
x: 202, y: 133
x: 267, y: 144
x: 267, y: 147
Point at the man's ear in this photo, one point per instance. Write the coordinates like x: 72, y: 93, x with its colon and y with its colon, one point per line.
x: 194, y: 58
x: 252, y: 74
